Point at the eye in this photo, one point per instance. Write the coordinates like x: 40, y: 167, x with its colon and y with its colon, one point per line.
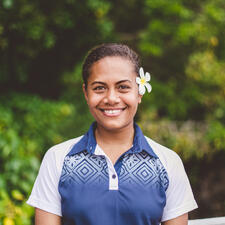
x: 124, y: 87
x: 99, y: 88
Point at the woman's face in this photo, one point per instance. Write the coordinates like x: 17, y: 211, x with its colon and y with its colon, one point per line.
x: 112, y: 92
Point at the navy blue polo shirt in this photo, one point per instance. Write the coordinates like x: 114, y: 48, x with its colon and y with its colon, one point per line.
x: 95, y: 192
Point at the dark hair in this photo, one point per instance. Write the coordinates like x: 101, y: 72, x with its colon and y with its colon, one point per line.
x: 108, y: 49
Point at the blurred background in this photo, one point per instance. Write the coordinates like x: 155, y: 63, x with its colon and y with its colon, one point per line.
x: 42, y: 46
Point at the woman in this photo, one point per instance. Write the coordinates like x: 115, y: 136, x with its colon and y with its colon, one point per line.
x: 113, y: 174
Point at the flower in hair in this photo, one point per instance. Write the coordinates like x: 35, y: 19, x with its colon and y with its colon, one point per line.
x: 142, y: 81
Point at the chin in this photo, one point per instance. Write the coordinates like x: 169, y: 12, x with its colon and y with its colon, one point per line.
x: 113, y: 125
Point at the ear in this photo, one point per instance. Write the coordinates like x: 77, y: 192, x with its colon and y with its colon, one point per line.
x: 139, y: 98
x: 85, y: 92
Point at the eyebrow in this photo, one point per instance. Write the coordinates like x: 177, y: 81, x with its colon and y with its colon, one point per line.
x: 100, y: 82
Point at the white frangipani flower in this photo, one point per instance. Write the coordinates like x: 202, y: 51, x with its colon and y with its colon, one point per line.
x: 142, y: 81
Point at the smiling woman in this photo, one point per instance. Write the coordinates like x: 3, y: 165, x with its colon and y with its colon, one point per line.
x: 112, y: 93
x: 113, y: 174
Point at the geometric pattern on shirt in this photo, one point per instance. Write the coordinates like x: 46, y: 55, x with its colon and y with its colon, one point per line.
x: 140, y: 168
x: 84, y: 168
x: 143, y: 169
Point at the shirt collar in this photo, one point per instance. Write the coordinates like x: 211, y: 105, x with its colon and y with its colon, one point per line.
x: 88, y: 142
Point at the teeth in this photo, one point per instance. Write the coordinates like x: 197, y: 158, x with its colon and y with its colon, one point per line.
x: 112, y: 111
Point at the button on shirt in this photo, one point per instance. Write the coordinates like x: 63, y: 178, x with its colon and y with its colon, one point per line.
x: 147, y: 184
x: 95, y: 192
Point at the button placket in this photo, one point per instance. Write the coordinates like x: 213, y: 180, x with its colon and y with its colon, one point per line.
x: 113, y: 177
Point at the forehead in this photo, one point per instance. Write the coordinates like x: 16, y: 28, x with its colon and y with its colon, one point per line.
x: 112, y: 67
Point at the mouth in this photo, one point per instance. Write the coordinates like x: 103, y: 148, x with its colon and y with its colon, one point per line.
x: 112, y: 112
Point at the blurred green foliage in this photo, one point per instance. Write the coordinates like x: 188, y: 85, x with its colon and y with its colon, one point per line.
x: 28, y: 125
x: 42, y: 45
x: 188, y: 112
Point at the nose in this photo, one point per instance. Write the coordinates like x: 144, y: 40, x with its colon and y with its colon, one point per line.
x: 112, y: 97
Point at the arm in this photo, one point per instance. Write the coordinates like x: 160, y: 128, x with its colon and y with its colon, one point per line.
x: 45, y: 218
x: 45, y: 196
x: 179, y: 196
x: 180, y: 220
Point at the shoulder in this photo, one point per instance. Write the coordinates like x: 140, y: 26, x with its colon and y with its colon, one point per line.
x: 179, y: 195
x: 45, y: 193
x: 165, y: 154
x: 169, y: 158
x: 58, y: 152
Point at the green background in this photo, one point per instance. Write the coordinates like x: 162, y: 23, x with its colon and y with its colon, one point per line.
x: 42, y: 46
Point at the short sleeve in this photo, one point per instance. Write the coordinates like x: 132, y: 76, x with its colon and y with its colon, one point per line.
x: 45, y: 193
x: 179, y: 195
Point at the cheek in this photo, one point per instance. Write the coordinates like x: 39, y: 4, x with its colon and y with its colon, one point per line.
x: 93, y: 100
x: 132, y: 100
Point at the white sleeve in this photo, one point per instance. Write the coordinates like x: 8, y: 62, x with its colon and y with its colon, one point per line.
x: 45, y: 193
x: 180, y: 199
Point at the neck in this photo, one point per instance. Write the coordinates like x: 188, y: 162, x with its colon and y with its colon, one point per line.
x: 115, y: 137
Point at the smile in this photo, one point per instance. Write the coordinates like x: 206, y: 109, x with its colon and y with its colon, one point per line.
x: 112, y: 112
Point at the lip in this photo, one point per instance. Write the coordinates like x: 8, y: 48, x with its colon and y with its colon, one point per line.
x: 112, y: 112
